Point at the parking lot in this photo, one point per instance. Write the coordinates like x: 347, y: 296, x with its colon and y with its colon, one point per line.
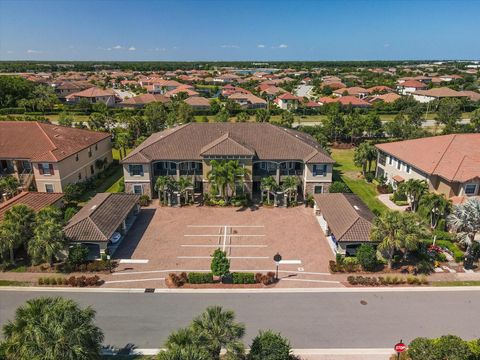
x: 182, y: 239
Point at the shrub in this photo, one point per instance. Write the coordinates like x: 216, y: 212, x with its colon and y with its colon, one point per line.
x: 200, y: 278
x: 350, y: 264
x: 424, y: 267
x: 422, y: 349
x: 333, y: 266
x: 268, y: 345
x: 367, y: 257
x: 144, y: 200
x: 40, y: 281
x: 441, y: 257
x: 46, y: 281
x: 220, y: 264
x: 258, y: 278
x: 78, y: 255
x: 243, y: 278
x: 339, y: 187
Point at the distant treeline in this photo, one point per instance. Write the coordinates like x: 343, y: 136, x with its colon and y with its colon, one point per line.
x: 48, y: 66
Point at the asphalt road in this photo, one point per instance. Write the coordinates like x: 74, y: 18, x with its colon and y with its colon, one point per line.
x: 309, y: 320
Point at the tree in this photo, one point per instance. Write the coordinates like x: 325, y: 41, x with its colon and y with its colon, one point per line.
x: 9, y: 184
x: 220, y: 265
x: 162, y: 184
x: 475, y: 121
x: 222, y: 116
x: 184, y: 353
x: 44, y: 98
x: 465, y: 220
x: 13, y: 89
x: 65, y: 119
x: 217, y: 329
x: 414, y: 190
x: 373, y: 124
x: 155, y: 117
x: 51, y: 329
x: 243, y: 116
x: 48, y: 240
x: 268, y: 345
x: 262, y: 116
x: 225, y: 175
x: 72, y: 192
x: 268, y: 184
x: 449, y: 113
x: 339, y: 187
x: 334, y: 124
x: 364, y: 155
x: 354, y: 125
x: 286, y: 119
x: 367, y: 257
x: 17, y: 228
x: 183, y: 186
x: 290, y: 184
x: 436, y: 205
x: 184, y: 113
x: 396, y: 231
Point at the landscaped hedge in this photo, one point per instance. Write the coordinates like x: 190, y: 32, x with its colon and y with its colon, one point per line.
x: 243, y: 278
x: 457, y: 253
x: 80, y: 281
x: 200, y: 278
x: 387, y: 280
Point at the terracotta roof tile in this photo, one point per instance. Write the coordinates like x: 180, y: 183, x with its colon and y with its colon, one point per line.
x: 35, y: 200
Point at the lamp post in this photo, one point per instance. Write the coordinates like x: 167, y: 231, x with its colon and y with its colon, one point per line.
x: 277, y: 258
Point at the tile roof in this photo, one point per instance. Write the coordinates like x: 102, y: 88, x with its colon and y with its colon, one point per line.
x: 35, y: 200
x: 267, y: 141
x: 454, y: 157
x: 440, y: 92
x: 145, y: 99
x: 93, y: 92
x: 100, y: 217
x: 197, y: 101
x: 43, y: 142
x: 347, y: 216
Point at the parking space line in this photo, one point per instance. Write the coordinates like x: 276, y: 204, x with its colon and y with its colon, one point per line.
x: 216, y: 246
x: 232, y: 226
x: 224, y: 235
x: 230, y: 257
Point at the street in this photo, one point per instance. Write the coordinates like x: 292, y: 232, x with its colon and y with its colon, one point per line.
x: 335, y: 319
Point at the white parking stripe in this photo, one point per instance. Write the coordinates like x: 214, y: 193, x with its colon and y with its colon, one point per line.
x: 231, y: 246
x: 233, y: 226
x: 225, y: 235
x: 133, y: 261
x: 229, y: 257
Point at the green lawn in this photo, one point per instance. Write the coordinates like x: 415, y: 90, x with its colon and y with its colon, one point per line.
x: 455, y: 283
x: 345, y: 170
x: 12, y: 283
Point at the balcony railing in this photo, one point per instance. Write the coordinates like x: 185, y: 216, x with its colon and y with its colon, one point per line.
x: 284, y: 172
x: 164, y: 172
x: 190, y: 172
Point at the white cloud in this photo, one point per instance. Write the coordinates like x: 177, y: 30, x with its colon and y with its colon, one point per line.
x: 30, y: 51
x: 230, y: 46
x: 260, y: 46
x: 118, y: 47
x: 283, y: 46
x: 132, y: 48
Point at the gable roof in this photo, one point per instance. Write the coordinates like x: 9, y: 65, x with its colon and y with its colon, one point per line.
x: 92, y: 93
x: 262, y: 140
x: 145, y: 99
x: 35, y: 200
x: 44, y: 142
x: 100, y: 217
x: 454, y: 157
x: 441, y: 92
x: 347, y: 216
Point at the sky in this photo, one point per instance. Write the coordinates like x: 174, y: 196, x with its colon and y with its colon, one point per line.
x: 261, y: 30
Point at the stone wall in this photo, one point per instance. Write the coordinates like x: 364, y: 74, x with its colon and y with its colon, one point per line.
x: 147, y: 188
x: 311, y: 185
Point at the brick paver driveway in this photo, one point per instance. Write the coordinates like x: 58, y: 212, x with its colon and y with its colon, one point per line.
x: 176, y: 239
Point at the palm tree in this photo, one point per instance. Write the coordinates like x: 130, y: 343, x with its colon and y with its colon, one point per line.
x: 290, y: 184
x: 364, y: 155
x: 465, y: 220
x: 396, y: 231
x: 236, y: 175
x: 183, y: 185
x: 162, y: 184
x: 16, y: 228
x: 414, y: 190
x: 49, y: 239
x: 51, y: 329
x: 268, y: 184
x: 436, y: 205
x: 9, y: 184
x: 218, y: 177
x: 185, y: 353
x: 217, y: 329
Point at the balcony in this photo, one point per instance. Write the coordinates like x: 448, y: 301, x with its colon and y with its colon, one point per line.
x: 291, y: 172
x: 164, y: 172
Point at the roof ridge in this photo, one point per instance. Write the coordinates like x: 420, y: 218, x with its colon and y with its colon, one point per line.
x: 352, y: 224
x: 92, y: 210
x: 278, y: 128
x: 454, y: 136
x: 48, y: 137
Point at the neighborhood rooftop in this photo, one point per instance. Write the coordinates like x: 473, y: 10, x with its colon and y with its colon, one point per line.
x: 35, y: 200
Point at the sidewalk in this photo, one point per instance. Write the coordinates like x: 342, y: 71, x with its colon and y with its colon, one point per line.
x: 385, y: 199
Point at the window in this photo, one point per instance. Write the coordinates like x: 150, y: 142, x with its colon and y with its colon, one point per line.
x: 399, y: 164
x: 318, y: 189
x: 79, y: 176
x: 76, y: 157
x: 138, y: 189
x: 136, y: 170
x: 90, y: 152
x: 96, y: 147
x: 390, y: 160
x: 470, y: 189
x: 381, y: 159
x: 408, y: 169
x: 45, y: 169
x: 92, y: 170
x: 49, y: 188
x: 172, y: 166
x: 319, y: 170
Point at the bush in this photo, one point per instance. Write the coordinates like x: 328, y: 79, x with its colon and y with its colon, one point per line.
x: 350, y: 264
x: 268, y: 345
x: 424, y: 267
x: 220, y: 264
x: 144, y: 200
x: 446, y: 347
x: 69, y: 212
x: 200, y: 278
x: 367, y: 257
x: 339, y: 187
x: 78, y: 255
x: 333, y: 266
x: 265, y: 279
x: 243, y: 278
x: 178, y: 280
x: 422, y: 349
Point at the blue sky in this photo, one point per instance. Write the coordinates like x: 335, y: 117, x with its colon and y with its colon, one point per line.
x: 239, y: 29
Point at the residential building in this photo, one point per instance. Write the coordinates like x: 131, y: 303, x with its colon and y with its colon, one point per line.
x: 140, y: 101
x: 34, y: 200
x: 248, y: 101
x: 93, y: 95
x: 345, y: 220
x: 287, y: 101
x: 425, y: 96
x: 103, y: 222
x: 450, y: 164
x: 409, y: 86
x: 51, y: 156
x: 263, y: 148
x: 198, y: 103
x: 352, y: 91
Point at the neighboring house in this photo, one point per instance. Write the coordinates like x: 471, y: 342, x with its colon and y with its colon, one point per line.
x: 34, y: 200
x: 143, y: 99
x: 265, y: 149
x: 226, y: 78
x: 187, y: 89
x: 352, y: 91
x: 248, y: 101
x: 287, y: 101
x: 198, y: 103
x: 229, y: 89
x: 103, y: 222
x: 472, y: 95
x: 65, y: 88
x: 380, y: 89
x: 425, y: 96
x: 160, y: 86
x: 51, y: 156
x: 345, y: 220
x: 94, y: 95
x: 353, y: 101
x: 386, y: 98
x: 409, y: 86
x: 450, y: 164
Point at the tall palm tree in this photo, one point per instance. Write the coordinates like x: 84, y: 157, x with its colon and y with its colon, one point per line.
x: 236, y: 175
x: 217, y: 329
x: 51, y: 329
x: 17, y: 228
x: 290, y: 184
x: 183, y: 185
x: 268, y: 184
x: 9, y: 184
x: 217, y: 176
x: 436, y: 205
x: 465, y: 220
x: 414, y: 190
x: 396, y: 231
x: 162, y: 184
x: 49, y: 239
x: 364, y: 155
